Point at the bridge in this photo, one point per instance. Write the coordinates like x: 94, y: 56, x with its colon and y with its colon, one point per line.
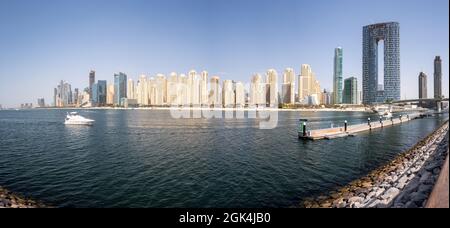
x: 418, y: 100
x: 430, y: 103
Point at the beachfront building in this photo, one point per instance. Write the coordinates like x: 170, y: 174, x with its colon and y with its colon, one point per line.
x: 228, y: 96
x: 120, y: 88
x: 240, y: 94
x: 257, y: 91
x: 288, y: 87
x: 215, y: 99
x: 110, y: 94
x: 308, y: 84
x: 272, y: 88
x: 204, y: 88
x: 131, y: 93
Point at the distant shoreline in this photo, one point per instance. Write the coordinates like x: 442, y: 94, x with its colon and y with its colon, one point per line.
x: 212, y: 109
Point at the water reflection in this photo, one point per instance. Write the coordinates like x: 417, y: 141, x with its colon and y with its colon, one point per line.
x: 141, y: 158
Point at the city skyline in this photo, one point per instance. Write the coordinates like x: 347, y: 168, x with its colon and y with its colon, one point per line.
x: 232, y: 55
x: 194, y: 89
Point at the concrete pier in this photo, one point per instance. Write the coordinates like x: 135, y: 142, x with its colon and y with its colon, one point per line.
x: 339, y: 132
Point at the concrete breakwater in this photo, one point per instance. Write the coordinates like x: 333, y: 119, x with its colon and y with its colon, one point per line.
x: 351, y: 130
x: 11, y: 200
x: 406, y: 182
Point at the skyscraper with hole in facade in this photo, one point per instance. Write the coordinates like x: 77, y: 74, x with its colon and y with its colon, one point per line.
x: 372, y: 35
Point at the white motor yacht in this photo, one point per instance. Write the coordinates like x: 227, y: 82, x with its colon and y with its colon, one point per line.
x: 386, y: 115
x: 74, y: 119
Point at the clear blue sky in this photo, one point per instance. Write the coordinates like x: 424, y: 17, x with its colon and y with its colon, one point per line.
x: 42, y: 42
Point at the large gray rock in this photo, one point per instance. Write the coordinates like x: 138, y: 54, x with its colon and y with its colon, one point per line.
x: 425, y: 178
x: 411, y: 205
x: 425, y: 189
x: 436, y: 171
x: 419, y: 198
x: 432, y: 166
x: 413, y: 185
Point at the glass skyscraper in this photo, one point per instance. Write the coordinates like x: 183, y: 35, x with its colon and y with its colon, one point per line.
x: 372, y: 35
x: 337, y: 75
x: 350, y: 91
x: 120, y: 88
x: 101, y: 93
x: 94, y: 96
x: 91, y: 83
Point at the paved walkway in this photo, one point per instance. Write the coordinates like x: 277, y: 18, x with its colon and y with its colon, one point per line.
x: 338, y: 132
x: 439, y: 196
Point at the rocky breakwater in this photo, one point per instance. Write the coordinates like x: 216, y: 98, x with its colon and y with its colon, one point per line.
x: 406, y: 182
x: 11, y: 200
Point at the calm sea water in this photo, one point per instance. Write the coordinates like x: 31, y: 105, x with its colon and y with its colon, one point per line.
x: 138, y: 158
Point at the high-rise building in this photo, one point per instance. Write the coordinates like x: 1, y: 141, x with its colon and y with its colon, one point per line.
x: 85, y: 98
x: 304, y: 81
x: 184, y: 93
x: 130, y: 89
x: 326, y: 98
x: 288, y: 87
x: 215, y: 99
x: 423, y: 94
x: 41, y: 103
x: 55, y: 95
x: 63, y: 95
x: 437, y: 77
x: 58, y: 96
x: 173, y: 96
x: 94, y: 95
x: 287, y: 96
x: 120, y: 88
x: 312, y: 99
x: 308, y: 85
x: 110, y: 94
x: 350, y: 91
x: 228, y: 97
x: 272, y: 83
x: 289, y: 75
x: 142, y: 94
x: 337, y: 76
x: 161, y: 90
x: 204, y: 88
x: 316, y: 89
x: 152, y: 91
x: 91, y: 81
x: 372, y: 35
x: 257, y: 91
x: 380, y: 87
x: 76, y: 97
x: 360, y: 97
x: 240, y: 94
x: 194, y: 88
x: 101, y: 93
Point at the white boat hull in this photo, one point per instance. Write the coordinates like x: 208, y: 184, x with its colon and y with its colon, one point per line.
x: 74, y: 119
x: 89, y: 123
